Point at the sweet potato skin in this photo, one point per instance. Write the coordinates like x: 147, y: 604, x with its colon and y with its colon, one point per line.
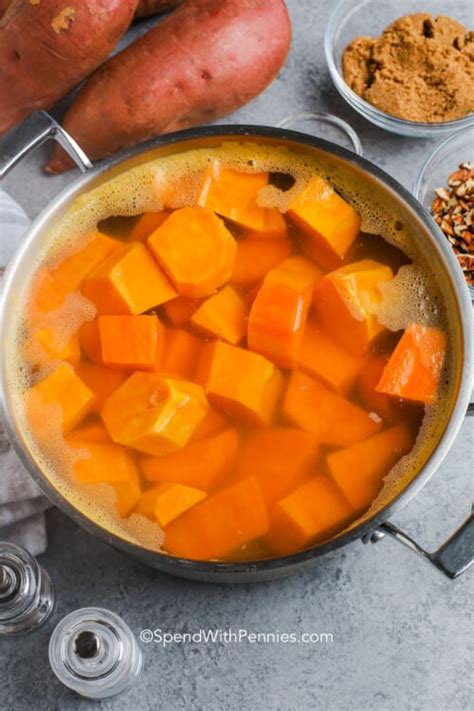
x: 4, y: 4
x: 145, y: 8
x: 205, y: 60
x: 47, y: 47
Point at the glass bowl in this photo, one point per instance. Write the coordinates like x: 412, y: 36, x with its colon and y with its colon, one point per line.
x: 444, y: 160
x: 351, y: 18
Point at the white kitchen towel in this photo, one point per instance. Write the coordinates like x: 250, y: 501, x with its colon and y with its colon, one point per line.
x: 21, y: 504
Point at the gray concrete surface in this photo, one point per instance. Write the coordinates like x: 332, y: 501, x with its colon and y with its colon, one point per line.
x: 402, y: 634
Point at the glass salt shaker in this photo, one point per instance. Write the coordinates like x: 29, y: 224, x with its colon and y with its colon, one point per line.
x: 94, y: 652
x: 26, y: 592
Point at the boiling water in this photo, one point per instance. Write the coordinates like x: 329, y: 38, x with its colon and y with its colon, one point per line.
x: 415, y: 294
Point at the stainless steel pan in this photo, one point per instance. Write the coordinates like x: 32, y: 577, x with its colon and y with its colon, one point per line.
x: 456, y: 554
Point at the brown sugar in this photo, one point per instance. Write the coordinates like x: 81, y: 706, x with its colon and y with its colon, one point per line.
x: 420, y: 69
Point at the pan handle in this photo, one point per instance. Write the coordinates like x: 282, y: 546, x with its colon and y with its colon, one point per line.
x: 453, y: 557
x: 32, y: 132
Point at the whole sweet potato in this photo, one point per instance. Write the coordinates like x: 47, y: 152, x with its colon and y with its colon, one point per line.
x: 203, y: 61
x: 48, y: 46
x: 145, y: 8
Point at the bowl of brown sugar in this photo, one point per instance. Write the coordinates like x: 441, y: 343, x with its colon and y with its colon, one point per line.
x: 406, y: 66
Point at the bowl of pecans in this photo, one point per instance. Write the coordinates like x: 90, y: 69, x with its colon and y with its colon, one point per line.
x: 445, y: 187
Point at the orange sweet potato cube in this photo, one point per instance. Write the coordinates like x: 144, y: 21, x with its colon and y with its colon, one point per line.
x: 330, y: 417
x: 345, y: 301
x: 89, y: 340
x: 180, y: 353
x: 146, y: 224
x: 45, y: 295
x: 51, y: 286
x: 178, y: 311
x: 220, y: 524
x: 71, y: 271
x: 153, y: 413
x: 280, y: 458
x: 276, y: 323
x: 234, y: 195
x: 101, y: 381
x: 214, y: 423
x: 129, y: 281
x: 90, y: 433
x: 390, y: 409
x: 414, y: 368
x: 63, y: 390
x: 278, y: 314
x: 312, y: 512
x: 223, y: 315
x: 200, y: 464
x: 196, y: 251
x: 243, y: 384
x: 255, y: 257
x: 321, y: 356
x: 110, y: 464
x: 165, y: 502
x: 331, y: 224
x: 358, y: 470
x: 46, y: 344
x: 133, y: 342
x: 296, y: 273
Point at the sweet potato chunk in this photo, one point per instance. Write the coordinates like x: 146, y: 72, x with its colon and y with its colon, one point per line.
x: 234, y: 195
x: 62, y: 389
x: 389, y: 408
x: 279, y: 311
x: 89, y: 340
x: 200, y: 464
x: 314, y: 511
x: 181, y: 353
x: 147, y: 224
x: 296, y: 273
x: 133, y: 342
x: 330, y: 223
x: 214, y: 423
x: 179, y: 311
x: 243, y: 384
x: 166, y: 502
x: 330, y: 417
x: 101, y: 381
x: 129, y: 281
x: 51, y: 286
x: 110, y: 464
x: 91, y: 433
x: 223, y: 315
x: 276, y: 324
x: 45, y: 295
x: 280, y: 458
x: 46, y: 344
x: 219, y: 524
x: 278, y: 314
x: 415, y: 366
x: 196, y: 251
x: 255, y: 257
x: 358, y: 470
x: 70, y: 273
x: 154, y: 414
x: 344, y: 300
x: 321, y: 356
